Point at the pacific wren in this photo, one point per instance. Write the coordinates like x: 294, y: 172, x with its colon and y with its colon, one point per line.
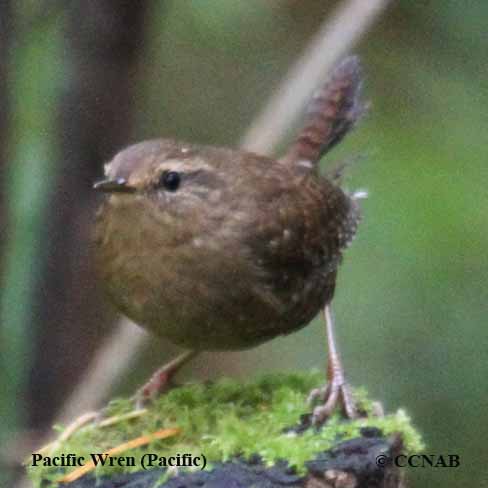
x: 222, y: 249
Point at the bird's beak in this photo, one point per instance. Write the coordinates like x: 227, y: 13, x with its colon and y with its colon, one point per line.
x: 119, y: 185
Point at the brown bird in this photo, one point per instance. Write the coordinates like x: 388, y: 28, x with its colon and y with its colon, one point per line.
x: 222, y: 249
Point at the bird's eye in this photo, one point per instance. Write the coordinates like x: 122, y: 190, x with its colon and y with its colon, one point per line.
x: 170, y: 180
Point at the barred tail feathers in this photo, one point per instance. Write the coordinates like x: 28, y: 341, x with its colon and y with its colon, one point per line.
x: 332, y: 113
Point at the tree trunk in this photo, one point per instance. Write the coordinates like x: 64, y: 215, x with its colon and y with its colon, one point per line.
x: 103, y: 43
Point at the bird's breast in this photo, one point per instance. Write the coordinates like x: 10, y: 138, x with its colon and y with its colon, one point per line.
x: 233, y: 285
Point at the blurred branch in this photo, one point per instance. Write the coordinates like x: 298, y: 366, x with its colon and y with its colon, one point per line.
x: 114, y: 356
x: 334, y: 38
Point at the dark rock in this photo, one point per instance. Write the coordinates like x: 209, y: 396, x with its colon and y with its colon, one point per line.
x: 352, y: 464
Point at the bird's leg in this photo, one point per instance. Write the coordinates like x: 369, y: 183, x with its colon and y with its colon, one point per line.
x: 336, y: 393
x: 160, y: 381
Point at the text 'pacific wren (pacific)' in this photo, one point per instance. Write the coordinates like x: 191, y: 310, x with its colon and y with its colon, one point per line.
x: 222, y: 249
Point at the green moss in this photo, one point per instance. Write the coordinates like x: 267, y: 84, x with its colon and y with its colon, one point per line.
x: 227, y: 418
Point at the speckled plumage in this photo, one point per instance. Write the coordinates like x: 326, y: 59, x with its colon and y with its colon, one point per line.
x: 246, y: 247
x: 245, y: 250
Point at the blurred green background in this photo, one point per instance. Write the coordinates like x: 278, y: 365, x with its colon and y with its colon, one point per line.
x: 79, y: 80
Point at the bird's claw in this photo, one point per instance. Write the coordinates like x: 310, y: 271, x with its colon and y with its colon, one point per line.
x: 332, y: 396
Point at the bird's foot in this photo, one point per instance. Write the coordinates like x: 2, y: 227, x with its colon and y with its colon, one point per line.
x: 162, y: 380
x: 159, y: 383
x: 327, y: 399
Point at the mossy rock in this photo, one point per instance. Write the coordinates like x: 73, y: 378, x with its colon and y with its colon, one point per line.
x: 252, y: 424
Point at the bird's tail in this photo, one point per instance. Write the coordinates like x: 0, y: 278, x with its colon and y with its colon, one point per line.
x: 332, y: 113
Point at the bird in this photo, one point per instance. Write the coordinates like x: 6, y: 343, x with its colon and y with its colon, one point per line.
x: 219, y: 249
